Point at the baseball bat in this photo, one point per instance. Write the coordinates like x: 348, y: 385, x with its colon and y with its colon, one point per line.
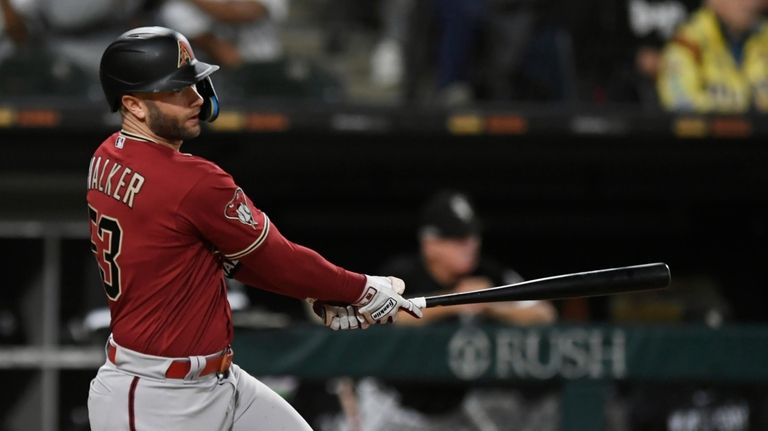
x: 581, y: 284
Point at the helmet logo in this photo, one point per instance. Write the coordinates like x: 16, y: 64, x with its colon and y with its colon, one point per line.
x: 185, y: 57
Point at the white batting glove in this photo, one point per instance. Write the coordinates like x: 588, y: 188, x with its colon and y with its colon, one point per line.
x: 338, y: 317
x: 381, y: 300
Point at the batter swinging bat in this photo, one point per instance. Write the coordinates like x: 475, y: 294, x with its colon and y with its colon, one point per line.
x: 581, y: 284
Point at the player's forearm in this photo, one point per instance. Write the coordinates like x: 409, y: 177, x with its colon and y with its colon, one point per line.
x: 290, y: 269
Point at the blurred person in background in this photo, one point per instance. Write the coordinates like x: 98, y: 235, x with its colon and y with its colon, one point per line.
x: 459, y: 23
x: 231, y: 32
x: 388, y: 59
x: 718, y: 61
x: 14, y: 35
x: 81, y: 29
x: 14, y: 38
x: 449, y: 261
x: 244, y: 37
x: 508, y: 35
x: 462, y: 51
x: 651, y: 24
x: 57, y: 43
x: 13, y: 30
x: 617, y: 46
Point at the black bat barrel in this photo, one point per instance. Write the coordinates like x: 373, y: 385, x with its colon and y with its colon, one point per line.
x: 582, y: 284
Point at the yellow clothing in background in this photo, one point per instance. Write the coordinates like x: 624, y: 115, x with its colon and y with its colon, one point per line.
x: 700, y: 74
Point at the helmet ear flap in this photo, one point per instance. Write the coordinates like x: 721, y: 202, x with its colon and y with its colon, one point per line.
x: 210, y: 109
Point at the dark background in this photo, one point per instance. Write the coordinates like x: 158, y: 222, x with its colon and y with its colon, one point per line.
x: 551, y: 202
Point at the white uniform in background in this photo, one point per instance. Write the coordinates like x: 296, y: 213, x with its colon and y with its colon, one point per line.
x: 256, y: 41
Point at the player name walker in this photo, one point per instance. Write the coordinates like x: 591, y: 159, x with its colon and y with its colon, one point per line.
x: 115, y: 180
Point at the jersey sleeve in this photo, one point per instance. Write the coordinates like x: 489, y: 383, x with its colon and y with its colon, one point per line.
x: 222, y: 214
x: 290, y: 269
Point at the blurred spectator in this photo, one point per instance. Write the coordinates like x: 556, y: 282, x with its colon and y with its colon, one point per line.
x: 718, y: 61
x: 340, y: 19
x: 459, y: 22
x: 80, y: 29
x: 58, y: 43
x: 449, y: 261
x: 243, y: 37
x: 461, y: 51
x: 12, y: 26
x: 617, y: 45
x: 508, y: 34
x: 387, y: 59
x: 231, y: 32
x: 694, y: 407
x: 14, y: 33
x: 650, y: 23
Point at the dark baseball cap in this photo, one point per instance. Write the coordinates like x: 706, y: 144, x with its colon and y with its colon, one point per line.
x: 449, y: 214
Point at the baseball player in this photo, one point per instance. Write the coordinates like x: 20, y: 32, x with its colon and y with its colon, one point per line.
x: 166, y: 227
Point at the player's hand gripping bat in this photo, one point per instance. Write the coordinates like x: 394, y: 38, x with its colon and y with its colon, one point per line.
x: 581, y: 284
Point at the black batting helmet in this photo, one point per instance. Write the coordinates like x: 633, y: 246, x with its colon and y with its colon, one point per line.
x: 154, y: 59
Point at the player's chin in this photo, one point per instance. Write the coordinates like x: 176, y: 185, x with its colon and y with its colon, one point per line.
x: 191, y: 130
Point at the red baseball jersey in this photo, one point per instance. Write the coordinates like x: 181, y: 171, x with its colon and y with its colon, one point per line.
x: 165, y: 225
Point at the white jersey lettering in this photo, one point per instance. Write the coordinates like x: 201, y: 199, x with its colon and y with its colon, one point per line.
x: 121, y: 183
x: 108, y: 186
x: 134, y: 187
x: 95, y: 174
x: 90, y: 171
x: 101, y: 176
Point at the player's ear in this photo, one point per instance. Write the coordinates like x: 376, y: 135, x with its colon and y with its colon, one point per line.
x: 135, y: 106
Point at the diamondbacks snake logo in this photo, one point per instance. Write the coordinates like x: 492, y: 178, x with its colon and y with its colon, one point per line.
x: 185, y: 56
x: 237, y: 209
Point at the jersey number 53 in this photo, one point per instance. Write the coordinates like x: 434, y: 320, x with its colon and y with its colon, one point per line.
x: 106, y: 240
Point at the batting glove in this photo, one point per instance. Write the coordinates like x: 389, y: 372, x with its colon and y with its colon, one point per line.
x: 381, y: 300
x: 339, y: 317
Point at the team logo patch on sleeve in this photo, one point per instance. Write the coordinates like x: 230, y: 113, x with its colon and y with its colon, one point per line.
x: 238, y: 209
